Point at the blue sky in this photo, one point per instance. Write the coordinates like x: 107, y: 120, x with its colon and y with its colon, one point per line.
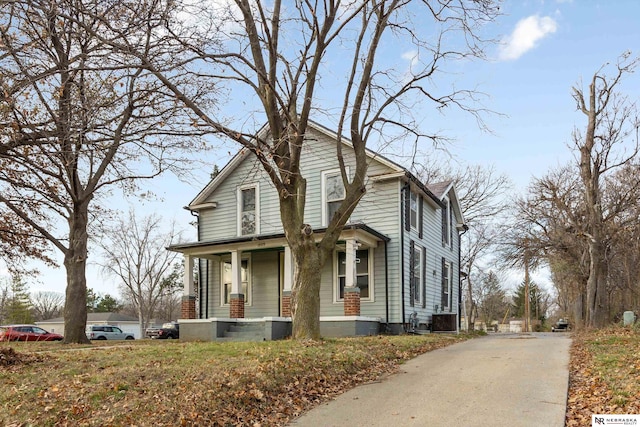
x: 546, y: 48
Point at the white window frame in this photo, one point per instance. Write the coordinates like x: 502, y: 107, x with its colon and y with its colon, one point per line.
x: 247, y: 296
x: 417, y: 254
x: 256, y: 188
x: 449, y: 278
x: 323, y: 190
x: 336, y: 277
x: 414, y: 200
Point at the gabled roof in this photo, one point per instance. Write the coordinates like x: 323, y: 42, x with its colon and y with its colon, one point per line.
x: 447, y: 189
x: 200, y: 201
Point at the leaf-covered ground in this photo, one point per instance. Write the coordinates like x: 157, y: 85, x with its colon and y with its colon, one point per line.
x: 604, y: 375
x: 154, y: 383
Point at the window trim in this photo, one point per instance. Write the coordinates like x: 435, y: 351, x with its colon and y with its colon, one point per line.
x: 448, y: 266
x: 323, y: 190
x: 336, y: 279
x: 447, y: 226
x: 413, y: 194
x: 240, y: 189
x: 418, y: 289
x: 247, y: 296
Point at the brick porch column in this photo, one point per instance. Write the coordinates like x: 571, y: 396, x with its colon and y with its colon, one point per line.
x: 188, y: 309
x: 352, y: 301
x: 286, y: 303
x: 236, y: 306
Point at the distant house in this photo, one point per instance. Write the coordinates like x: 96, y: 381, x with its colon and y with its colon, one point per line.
x: 395, y: 266
x: 126, y: 323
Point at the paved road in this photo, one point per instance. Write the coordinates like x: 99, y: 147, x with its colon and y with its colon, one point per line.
x: 498, y: 380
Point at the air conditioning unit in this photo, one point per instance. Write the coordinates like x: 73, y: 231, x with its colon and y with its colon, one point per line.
x: 444, y: 322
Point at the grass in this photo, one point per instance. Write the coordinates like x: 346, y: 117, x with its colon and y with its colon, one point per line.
x: 604, y: 374
x: 156, y: 383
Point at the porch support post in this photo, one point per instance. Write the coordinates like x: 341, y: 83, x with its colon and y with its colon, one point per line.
x: 236, y: 309
x: 288, y: 282
x: 188, y: 308
x: 351, y: 290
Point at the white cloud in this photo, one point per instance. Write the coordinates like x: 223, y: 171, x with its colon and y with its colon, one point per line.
x: 524, y: 37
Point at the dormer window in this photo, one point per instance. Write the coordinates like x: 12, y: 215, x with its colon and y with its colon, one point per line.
x: 248, y: 210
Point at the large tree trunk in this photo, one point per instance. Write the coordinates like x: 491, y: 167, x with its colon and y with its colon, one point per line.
x: 305, y: 301
x: 596, y: 286
x: 75, y: 262
x: 471, y: 321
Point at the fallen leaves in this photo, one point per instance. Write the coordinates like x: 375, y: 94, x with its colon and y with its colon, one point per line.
x: 603, y: 377
x: 192, y: 384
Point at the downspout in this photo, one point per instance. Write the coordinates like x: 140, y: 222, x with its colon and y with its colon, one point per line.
x: 465, y: 228
x: 200, y: 299
x: 403, y: 199
x: 386, y: 283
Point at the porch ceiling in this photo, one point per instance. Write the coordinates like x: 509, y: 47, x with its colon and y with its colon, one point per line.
x: 360, y: 232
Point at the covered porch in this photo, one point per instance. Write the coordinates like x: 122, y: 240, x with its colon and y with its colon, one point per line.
x: 249, y: 280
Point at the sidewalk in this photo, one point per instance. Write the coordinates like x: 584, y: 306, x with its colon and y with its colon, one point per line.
x: 498, y: 380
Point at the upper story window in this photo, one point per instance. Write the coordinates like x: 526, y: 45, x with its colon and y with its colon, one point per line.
x: 446, y: 223
x: 332, y: 194
x: 248, y: 210
x: 363, y: 276
x: 413, y: 212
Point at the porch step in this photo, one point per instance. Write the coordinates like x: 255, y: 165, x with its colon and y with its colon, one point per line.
x: 244, y: 332
x: 247, y: 327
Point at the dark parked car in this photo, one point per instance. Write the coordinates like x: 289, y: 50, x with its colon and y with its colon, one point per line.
x: 169, y: 331
x: 27, y: 333
x: 561, y: 326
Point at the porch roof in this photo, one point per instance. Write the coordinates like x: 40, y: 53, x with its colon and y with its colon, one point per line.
x: 358, y: 231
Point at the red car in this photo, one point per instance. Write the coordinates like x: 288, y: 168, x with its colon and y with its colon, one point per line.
x: 27, y: 333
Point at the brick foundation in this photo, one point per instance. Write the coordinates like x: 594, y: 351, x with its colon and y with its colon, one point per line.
x: 352, y: 301
x: 236, y: 309
x: 286, y: 304
x: 188, y: 309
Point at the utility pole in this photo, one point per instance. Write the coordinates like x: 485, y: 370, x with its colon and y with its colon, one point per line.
x: 527, y: 308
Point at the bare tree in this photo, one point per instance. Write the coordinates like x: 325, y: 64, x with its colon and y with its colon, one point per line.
x: 274, y: 57
x: 77, y: 119
x: 46, y: 304
x: 136, y: 255
x: 611, y: 122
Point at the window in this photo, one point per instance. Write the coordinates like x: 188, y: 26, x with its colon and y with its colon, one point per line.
x: 446, y: 223
x: 413, y: 216
x: 332, y: 194
x: 415, y: 275
x: 225, y: 292
x: 362, y: 274
x: 446, y: 285
x: 248, y: 209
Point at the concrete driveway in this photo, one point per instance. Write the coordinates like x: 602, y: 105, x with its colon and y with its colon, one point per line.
x: 497, y: 380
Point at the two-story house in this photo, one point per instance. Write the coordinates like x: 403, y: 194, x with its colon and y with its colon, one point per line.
x: 396, y: 265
